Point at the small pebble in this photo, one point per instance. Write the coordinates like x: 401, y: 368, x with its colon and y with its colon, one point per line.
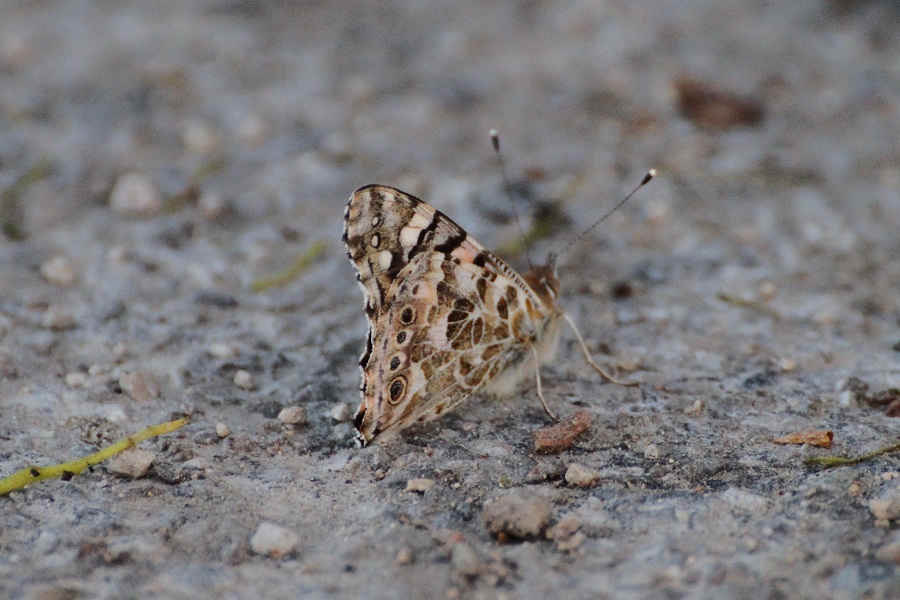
x: 520, y: 514
x: 243, y: 379
x: 404, y: 557
x: 767, y: 291
x: 134, y: 463
x: 628, y: 365
x: 115, y: 414
x: 212, y: 205
x: 543, y: 471
x: 887, y: 506
x: 58, y: 318
x: 222, y: 430
x: 566, y: 534
x: 341, y: 412
x: 222, y: 350
x: 134, y: 195
x: 788, y: 365
x: 465, y: 560
x: 76, y: 379
x: 59, y: 271
x: 421, y: 485
x: 199, y: 137
x: 293, y: 415
x: 694, y: 409
x: 273, y: 540
x: 140, y: 386
x: 890, y: 552
x: 651, y: 452
x: 582, y: 476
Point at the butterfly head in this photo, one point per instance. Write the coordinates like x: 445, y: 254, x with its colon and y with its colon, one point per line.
x: 544, y: 280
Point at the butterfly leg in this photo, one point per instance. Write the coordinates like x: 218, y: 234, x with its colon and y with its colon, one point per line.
x: 540, y: 390
x: 590, y: 361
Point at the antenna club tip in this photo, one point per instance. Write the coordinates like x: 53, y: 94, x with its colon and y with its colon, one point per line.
x: 650, y: 175
x: 495, y: 139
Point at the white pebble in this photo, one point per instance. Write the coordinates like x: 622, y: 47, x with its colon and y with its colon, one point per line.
x: 293, y: 415
x: 887, y: 506
x: 520, y: 514
x: 134, y: 195
x: 141, y: 386
x: 582, y: 476
x: 114, y: 413
x: 404, y: 556
x: 651, y: 452
x: 273, y: 540
x: 694, y: 409
x: 222, y: 350
x: 59, y: 271
x: 199, y: 137
x: 788, y: 365
x: 76, y: 379
x: 222, y: 430
x: 212, y: 205
x: 133, y: 463
x: 767, y: 290
x: 243, y: 379
x: 419, y: 485
x: 464, y: 560
x: 341, y: 412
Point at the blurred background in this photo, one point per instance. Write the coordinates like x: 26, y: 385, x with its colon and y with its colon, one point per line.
x: 158, y: 157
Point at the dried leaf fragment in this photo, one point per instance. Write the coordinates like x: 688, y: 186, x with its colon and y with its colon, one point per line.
x: 559, y: 437
x: 815, y: 437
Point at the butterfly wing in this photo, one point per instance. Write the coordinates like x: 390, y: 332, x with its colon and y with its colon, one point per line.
x: 384, y: 229
x: 447, y: 328
x: 445, y: 315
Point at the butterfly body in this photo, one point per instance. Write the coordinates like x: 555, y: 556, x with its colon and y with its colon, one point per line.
x: 447, y: 318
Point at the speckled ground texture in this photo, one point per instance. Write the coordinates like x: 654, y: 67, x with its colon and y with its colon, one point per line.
x: 248, y: 125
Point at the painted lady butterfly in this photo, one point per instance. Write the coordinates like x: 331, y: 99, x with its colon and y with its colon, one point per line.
x: 447, y: 318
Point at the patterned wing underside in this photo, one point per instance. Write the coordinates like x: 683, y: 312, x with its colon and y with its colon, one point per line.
x: 384, y: 229
x: 453, y: 326
x: 445, y: 315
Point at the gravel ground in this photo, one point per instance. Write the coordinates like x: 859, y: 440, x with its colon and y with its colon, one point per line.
x: 158, y: 157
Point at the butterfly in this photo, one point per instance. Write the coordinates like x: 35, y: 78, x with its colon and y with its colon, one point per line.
x: 447, y: 318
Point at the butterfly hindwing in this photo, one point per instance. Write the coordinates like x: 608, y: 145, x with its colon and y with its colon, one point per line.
x: 439, y: 339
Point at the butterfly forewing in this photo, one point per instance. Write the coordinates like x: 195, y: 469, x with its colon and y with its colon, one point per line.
x: 385, y: 228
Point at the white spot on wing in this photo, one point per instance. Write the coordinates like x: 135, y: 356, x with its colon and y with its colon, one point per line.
x: 409, y: 235
x: 384, y: 259
x: 419, y: 221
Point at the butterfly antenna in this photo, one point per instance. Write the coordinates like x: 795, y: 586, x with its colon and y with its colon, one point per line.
x: 650, y: 175
x: 495, y: 142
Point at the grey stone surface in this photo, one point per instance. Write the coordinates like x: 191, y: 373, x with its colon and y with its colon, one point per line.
x: 254, y: 121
